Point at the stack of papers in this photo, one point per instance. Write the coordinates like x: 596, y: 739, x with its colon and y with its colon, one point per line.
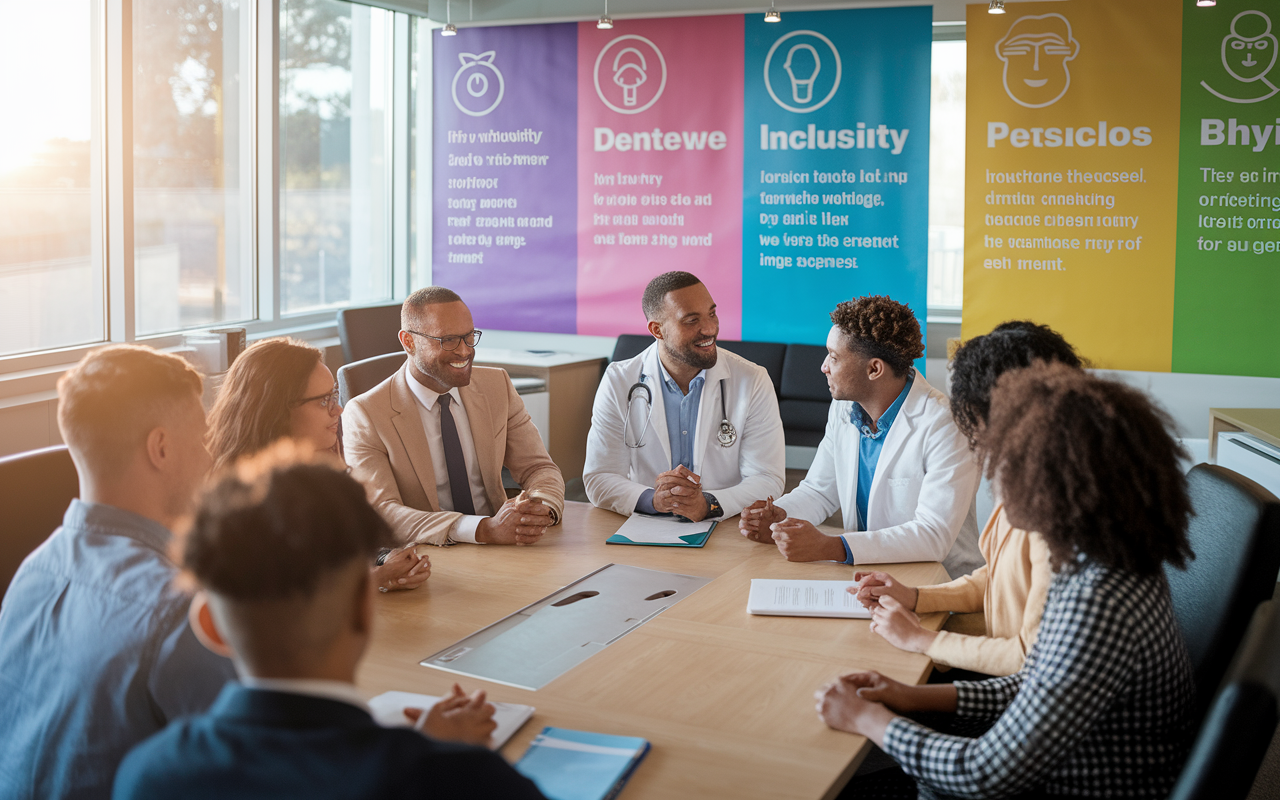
x: 576, y: 765
x: 388, y: 711
x: 662, y: 531
x: 780, y: 598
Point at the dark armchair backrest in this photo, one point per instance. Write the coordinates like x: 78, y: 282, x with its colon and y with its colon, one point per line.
x: 369, y: 331
x: 358, y: 378
x: 35, y: 489
x: 805, y: 396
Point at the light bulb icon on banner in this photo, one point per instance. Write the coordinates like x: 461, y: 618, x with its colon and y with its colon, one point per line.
x: 802, y: 59
x: 630, y: 76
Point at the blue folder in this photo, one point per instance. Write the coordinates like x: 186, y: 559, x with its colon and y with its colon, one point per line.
x: 577, y: 765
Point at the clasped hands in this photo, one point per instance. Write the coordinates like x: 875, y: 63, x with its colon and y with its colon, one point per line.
x: 457, y: 718
x: 892, y: 607
x: 522, y: 520
x: 797, y: 539
x: 866, y: 702
x: 679, y: 491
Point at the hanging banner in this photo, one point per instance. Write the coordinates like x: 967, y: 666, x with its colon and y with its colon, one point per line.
x: 659, y: 165
x: 504, y: 174
x: 1071, y: 178
x: 1227, y: 293
x: 836, y: 175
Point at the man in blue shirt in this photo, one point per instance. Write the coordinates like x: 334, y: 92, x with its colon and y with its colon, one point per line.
x: 95, y: 650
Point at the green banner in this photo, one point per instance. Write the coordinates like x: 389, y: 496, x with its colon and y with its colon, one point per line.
x: 1226, y: 314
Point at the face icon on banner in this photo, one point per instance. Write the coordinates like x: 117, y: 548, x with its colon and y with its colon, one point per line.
x: 1248, y: 55
x: 635, y: 73
x: 480, y: 83
x: 1035, y: 53
x: 808, y: 65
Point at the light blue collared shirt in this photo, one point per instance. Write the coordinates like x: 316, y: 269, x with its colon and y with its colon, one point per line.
x: 869, y: 447
x: 95, y: 654
x: 681, y: 411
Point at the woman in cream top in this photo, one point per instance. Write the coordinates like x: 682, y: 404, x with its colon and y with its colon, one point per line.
x: 1010, y: 590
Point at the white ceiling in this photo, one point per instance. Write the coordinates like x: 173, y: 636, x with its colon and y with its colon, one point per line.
x: 495, y: 12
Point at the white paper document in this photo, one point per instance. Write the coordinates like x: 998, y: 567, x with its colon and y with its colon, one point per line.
x: 659, y: 530
x: 388, y: 711
x: 778, y: 598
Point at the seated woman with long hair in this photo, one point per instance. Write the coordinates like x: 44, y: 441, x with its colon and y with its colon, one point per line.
x: 1102, y: 706
x: 281, y: 388
x: 1010, y: 588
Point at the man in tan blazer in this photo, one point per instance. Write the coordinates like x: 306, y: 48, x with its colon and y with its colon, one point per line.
x: 429, y: 443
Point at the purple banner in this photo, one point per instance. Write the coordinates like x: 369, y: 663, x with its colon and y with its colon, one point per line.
x: 505, y: 174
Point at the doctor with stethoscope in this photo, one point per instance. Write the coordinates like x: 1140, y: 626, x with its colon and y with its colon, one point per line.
x: 684, y: 428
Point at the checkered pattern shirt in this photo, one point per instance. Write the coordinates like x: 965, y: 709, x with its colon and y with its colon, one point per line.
x: 1101, y: 707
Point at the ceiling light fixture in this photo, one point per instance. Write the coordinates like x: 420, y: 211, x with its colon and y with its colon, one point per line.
x: 772, y: 15
x: 996, y: 7
x: 449, y: 28
x: 1206, y: 3
x: 606, y: 21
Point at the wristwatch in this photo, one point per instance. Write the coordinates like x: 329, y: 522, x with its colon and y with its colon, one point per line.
x: 382, y: 556
x: 713, y: 506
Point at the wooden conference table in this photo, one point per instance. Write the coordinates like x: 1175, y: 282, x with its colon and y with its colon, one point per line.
x: 725, y: 698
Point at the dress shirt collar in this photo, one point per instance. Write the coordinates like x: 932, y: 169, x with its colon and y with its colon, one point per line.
x: 81, y: 515
x: 859, y: 417
x: 425, y: 396
x: 326, y: 690
x: 671, y: 384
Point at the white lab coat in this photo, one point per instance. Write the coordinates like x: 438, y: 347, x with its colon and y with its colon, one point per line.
x: 921, y: 505
x: 752, y: 467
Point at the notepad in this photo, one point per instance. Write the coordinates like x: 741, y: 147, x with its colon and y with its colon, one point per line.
x: 577, y: 765
x: 388, y: 711
x: 778, y: 598
x: 664, y: 531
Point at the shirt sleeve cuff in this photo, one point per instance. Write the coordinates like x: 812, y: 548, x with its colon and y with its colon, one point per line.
x: 645, y: 504
x: 848, y: 551
x: 464, y: 530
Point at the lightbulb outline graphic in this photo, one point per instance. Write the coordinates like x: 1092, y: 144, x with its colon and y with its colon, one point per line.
x: 620, y: 69
x: 768, y: 59
x: 484, y: 60
x: 807, y: 83
x: 1261, y: 77
x: 662, y: 84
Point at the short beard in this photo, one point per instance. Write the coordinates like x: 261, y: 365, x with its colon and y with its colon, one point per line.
x: 694, y: 358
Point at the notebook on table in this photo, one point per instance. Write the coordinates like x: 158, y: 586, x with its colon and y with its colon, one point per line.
x: 663, y: 531
x: 577, y: 765
x: 779, y: 598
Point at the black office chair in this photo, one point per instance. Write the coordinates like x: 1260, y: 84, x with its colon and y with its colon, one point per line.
x: 1234, y: 738
x: 35, y: 489
x: 1235, y: 535
x: 770, y: 355
x: 358, y: 378
x: 805, y: 396
x: 369, y: 331
x: 630, y: 345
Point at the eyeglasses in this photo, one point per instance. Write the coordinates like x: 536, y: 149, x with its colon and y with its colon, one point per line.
x: 451, y: 342
x: 327, y: 401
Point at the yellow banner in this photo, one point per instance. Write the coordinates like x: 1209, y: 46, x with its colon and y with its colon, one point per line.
x: 1071, y: 174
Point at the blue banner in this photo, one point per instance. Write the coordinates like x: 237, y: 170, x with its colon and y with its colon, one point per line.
x: 836, y: 166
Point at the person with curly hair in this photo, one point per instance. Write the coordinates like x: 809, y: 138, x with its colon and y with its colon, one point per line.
x: 891, y: 459
x: 1010, y: 588
x: 1103, y: 704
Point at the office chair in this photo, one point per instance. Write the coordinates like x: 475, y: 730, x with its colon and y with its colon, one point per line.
x: 358, y: 378
x: 35, y: 489
x: 1234, y: 738
x: 630, y: 345
x: 369, y: 331
x: 1235, y: 535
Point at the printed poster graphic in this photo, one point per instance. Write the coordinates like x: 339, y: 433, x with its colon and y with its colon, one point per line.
x: 504, y: 174
x: 659, y: 166
x: 1071, y: 177
x: 1227, y: 293
x: 836, y: 173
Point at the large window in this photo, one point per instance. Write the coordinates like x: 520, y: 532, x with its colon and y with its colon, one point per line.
x: 51, y: 274
x: 946, y: 176
x: 335, y: 182
x: 193, y: 209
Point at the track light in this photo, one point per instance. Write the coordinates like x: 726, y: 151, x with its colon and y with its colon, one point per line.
x: 772, y: 15
x: 996, y: 7
x: 449, y: 28
x: 1206, y: 3
x: 606, y: 21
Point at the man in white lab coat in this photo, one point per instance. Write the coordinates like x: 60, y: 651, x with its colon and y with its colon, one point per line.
x: 891, y: 460
x: 684, y: 428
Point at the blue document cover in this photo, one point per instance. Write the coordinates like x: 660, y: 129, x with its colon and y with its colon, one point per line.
x: 577, y: 765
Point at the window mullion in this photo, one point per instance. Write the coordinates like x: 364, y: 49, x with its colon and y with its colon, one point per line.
x: 118, y: 113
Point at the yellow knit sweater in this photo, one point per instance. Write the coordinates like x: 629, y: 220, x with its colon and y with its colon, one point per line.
x: 1010, y: 590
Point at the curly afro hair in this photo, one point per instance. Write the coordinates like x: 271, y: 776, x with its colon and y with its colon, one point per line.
x: 981, y: 361
x: 878, y: 327
x: 1090, y: 464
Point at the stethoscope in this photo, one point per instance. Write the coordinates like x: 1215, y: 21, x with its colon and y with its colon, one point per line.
x: 726, y: 436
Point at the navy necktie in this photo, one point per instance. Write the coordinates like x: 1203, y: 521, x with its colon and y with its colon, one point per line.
x: 459, y: 486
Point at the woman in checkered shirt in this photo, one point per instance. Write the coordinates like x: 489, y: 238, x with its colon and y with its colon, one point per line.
x: 1102, y: 707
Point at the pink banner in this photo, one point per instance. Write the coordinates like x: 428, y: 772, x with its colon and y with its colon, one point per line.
x: 659, y: 165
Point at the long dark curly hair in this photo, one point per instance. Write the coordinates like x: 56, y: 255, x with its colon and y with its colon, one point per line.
x: 981, y: 361
x: 876, y: 326
x: 1092, y: 465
